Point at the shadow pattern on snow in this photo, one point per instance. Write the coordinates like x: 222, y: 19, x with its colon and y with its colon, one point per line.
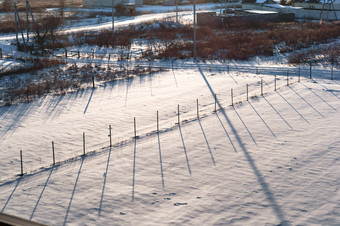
x: 265, y: 187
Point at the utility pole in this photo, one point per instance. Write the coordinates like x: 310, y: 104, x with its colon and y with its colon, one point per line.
x: 113, y: 16
x: 27, y: 22
x: 195, y: 54
x: 176, y: 11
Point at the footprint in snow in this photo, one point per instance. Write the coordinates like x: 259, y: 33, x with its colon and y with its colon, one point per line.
x: 180, y: 204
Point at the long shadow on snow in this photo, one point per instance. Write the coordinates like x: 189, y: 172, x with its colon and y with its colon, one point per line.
x: 74, y: 189
x: 306, y: 102
x: 134, y: 169
x: 160, y: 159
x: 184, y: 148
x: 206, y: 140
x: 310, y: 89
x: 10, y: 196
x: 105, y: 176
x: 277, y: 112
x: 269, y: 195
x: 42, y: 192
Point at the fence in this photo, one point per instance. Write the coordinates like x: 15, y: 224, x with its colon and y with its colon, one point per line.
x: 235, y: 96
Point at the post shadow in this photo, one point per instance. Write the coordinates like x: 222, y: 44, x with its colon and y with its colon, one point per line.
x: 206, y: 140
x: 134, y: 170
x: 310, y: 89
x: 326, y: 88
x: 175, y: 78
x: 184, y: 148
x: 88, y: 102
x: 232, y: 144
x: 10, y: 196
x: 277, y: 112
x: 265, y: 187
x: 262, y: 119
x: 160, y: 159
x: 245, y: 126
x: 292, y: 107
x: 306, y: 102
x: 105, y: 176
x: 74, y: 189
x: 42, y: 192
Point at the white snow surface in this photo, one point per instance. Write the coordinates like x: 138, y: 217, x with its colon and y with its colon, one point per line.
x: 272, y: 160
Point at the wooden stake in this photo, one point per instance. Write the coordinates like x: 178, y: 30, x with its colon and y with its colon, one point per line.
x: 53, y: 153
x: 287, y: 78
x: 261, y: 87
x: 22, y: 168
x: 332, y: 72
x: 157, y: 122
x: 178, y: 115
x: 215, y: 103
x: 247, y: 93
x: 93, y: 82
x: 84, y: 153
x: 134, y: 121
x: 110, y: 135
x: 275, y: 84
x: 232, y: 98
x: 198, y: 116
x: 310, y: 70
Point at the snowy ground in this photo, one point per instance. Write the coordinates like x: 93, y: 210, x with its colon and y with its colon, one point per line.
x: 273, y: 159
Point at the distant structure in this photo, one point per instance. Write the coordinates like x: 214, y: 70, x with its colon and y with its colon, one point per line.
x: 108, y: 3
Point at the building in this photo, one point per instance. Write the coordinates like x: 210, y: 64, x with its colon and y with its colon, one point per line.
x: 108, y: 3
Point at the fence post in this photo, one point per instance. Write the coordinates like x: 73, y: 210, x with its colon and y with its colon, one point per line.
x: 232, y: 98
x: 134, y: 122
x: 178, y: 114
x: 275, y: 84
x: 109, y: 56
x: 157, y: 122
x: 247, y: 93
x: 198, y: 116
x: 78, y: 54
x: 21, y: 164
x: 310, y: 70
x: 287, y: 78
x: 84, y: 153
x: 257, y: 71
x: 332, y: 72
x: 53, y: 152
x: 215, y: 103
x: 299, y: 75
x: 228, y: 69
x: 93, y: 82
x: 92, y: 54
x: 110, y: 135
x: 172, y: 64
x: 0, y: 52
x: 261, y: 87
x: 65, y: 53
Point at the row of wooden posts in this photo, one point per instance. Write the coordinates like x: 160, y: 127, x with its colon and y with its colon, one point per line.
x: 157, y: 117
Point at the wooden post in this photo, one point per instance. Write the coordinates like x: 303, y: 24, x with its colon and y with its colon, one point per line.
x: 247, y: 93
x: 134, y: 122
x: 110, y: 135
x: 215, y: 103
x: 65, y: 53
x: 261, y: 87
x: 299, y: 75
x: 22, y: 168
x: 257, y: 71
x: 275, y: 84
x: 0, y: 52
x: 172, y: 64
x: 92, y: 54
x: 109, y: 56
x: 232, y: 98
x: 331, y: 71
x: 198, y: 116
x: 84, y: 153
x: 228, y: 69
x: 93, y: 82
x: 53, y: 153
x: 78, y: 54
x: 178, y: 114
x: 157, y: 122
x: 287, y: 78
x: 310, y: 70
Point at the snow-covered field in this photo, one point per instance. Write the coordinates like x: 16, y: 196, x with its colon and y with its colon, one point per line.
x: 272, y: 160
